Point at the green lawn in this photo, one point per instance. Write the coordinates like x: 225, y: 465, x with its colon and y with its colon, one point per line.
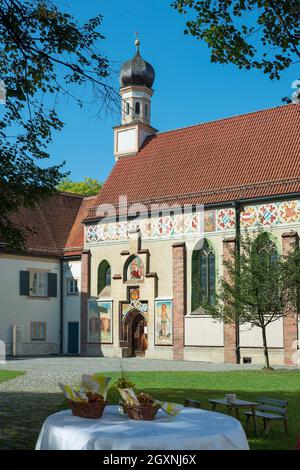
x: 176, y: 386
x: 23, y: 413
x: 9, y: 374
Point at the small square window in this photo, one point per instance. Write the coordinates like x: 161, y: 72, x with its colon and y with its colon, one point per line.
x: 38, y: 284
x: 247, y: 360
x: 72, y: 286
x: 38, y: 330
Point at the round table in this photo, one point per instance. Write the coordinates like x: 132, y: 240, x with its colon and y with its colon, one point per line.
x: 191, y: 429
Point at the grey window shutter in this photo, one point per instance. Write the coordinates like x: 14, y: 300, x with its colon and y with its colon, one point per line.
x: 24, y: 282
x: 52, y: 285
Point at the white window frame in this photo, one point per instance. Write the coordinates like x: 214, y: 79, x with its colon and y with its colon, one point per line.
x: 72, y: 282
x: 41, y: 290
x: 41, y: 326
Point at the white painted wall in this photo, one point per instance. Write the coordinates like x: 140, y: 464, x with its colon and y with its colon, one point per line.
x: 127, y: 140
x: 21, y: 310
x: 202, y: 330
x: 136, y: 94
x: 251, y: 337
x: 72, y: 269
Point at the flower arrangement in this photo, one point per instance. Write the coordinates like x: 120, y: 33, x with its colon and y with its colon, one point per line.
x: 123, y: 382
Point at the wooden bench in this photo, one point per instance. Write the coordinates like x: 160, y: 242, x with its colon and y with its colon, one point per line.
x: 269, y: 410
x: 191, y: 403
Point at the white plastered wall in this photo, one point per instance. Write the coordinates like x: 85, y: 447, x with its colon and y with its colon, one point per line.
x: 21, y: 310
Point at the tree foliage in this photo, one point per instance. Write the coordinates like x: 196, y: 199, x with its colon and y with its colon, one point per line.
x: 44, y: 55
x: 88, y: 187
x: 259, y: 34
x: 260, y: 285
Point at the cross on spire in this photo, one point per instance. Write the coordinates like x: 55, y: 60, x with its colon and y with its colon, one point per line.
x: 137, y: 42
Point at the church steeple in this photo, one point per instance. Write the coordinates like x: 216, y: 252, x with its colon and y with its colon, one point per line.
x: 136, y: 80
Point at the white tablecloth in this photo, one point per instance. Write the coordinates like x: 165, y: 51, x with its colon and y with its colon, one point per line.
x: 191, y: 429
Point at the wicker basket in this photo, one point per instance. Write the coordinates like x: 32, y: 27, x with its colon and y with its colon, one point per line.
x: 142, y: 412
x: 90, y: 410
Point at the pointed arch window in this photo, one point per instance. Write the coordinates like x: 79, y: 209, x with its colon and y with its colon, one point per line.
x: 104, y: 275
x: 203, y: 276
x: 263, y: 245
x: 108, y: 276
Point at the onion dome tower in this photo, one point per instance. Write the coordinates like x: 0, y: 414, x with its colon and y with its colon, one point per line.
x: 136, y: 80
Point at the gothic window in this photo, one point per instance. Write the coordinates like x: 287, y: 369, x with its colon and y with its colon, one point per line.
x: 137, y: 108
x: 203, y: 276
x: 108, y: 276
x: 104, y: 275
x: 264, y: 244
x: 264, y: 241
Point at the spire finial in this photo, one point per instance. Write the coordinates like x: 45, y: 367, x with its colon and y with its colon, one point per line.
x: 137, y: 42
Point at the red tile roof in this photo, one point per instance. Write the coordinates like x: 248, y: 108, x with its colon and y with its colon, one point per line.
x: 51, y: 223
x: 247, y: 156
x: 75, y: 242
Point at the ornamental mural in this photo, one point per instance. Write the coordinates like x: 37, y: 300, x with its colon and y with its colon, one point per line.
x: 134, y: 305
x: 189, y: 225
x: 105, y: 313
x: 249, y: 217
x: 163, y: 322
x: 268, y: 214
x: 135, y: 270
x: 225, y: 219
x: 209, y: 221
x: 94, y: 325
x: 289, y: 212
x: 99, y: 321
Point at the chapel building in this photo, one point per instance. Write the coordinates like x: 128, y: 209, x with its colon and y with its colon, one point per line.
x: 126, y: 273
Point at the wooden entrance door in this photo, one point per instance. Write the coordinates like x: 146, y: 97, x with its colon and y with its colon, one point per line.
x: 139, y: 336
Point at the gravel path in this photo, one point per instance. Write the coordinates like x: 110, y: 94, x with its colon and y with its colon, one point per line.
x: 42, y: 374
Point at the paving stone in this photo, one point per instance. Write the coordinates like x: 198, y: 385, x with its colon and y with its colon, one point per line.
x: 43, y: 373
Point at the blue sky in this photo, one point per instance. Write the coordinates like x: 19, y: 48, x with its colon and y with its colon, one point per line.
x: 188, y: 88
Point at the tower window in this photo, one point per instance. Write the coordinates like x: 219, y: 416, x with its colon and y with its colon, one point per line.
x: 146, y: 111
x: 127, y: 108
x: 137, y: 108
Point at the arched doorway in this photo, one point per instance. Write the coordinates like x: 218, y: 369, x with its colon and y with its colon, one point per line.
x: 139, y: 336
x: 133, y: 335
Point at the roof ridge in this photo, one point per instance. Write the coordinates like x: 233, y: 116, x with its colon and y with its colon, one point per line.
x: 69, y: 194
x: 227, y: 118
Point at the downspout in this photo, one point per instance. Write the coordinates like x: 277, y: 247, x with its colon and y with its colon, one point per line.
x: 237, y: 206
x: 61, y: 331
